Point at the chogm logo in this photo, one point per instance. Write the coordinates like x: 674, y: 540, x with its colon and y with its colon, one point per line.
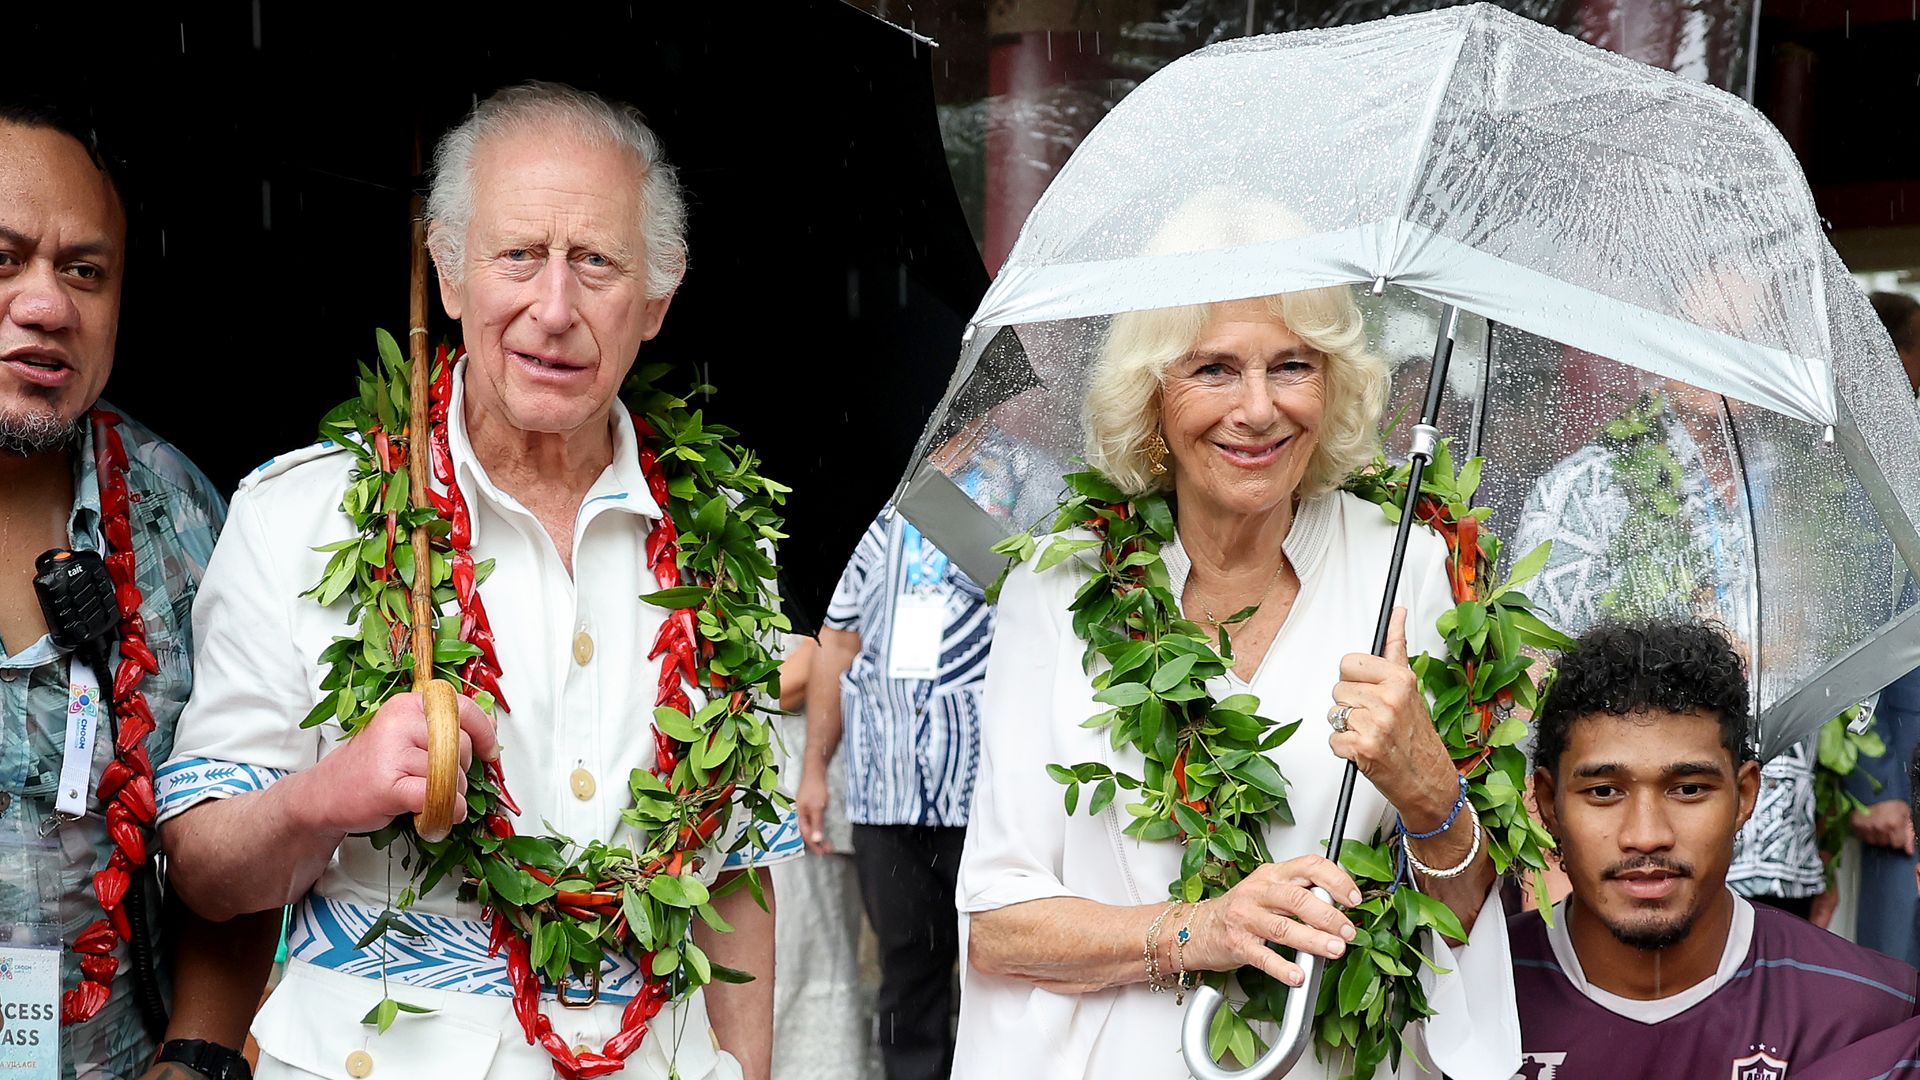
x: 1759, y: 1065
x: 6, y: 968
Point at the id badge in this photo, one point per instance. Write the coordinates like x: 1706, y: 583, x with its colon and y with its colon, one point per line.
x: 30, y: 1005
x: 30, y: 950
x: 919, y: 622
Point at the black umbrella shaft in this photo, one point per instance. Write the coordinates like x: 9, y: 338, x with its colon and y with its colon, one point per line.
x: 1417, y: 467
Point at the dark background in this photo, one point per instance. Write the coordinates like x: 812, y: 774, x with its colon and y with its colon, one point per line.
x: 270, y: 151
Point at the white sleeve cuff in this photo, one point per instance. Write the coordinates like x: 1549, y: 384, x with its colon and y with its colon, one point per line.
x: 184, y: 783
x: 783, y: 845
x: 1474, y: 1033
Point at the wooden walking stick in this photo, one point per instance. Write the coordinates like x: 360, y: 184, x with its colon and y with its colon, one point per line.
x: 438, y: 697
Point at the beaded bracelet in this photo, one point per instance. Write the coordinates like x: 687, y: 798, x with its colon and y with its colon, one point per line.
x: 1445, y: 825
x: 1473, y: 850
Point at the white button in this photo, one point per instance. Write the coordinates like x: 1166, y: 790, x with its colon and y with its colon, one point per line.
x: 359, y: 1064
x: 583, y: 785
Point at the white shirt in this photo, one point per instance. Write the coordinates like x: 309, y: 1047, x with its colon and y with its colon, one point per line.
x: 257, y: 675
x: 1020, y: 845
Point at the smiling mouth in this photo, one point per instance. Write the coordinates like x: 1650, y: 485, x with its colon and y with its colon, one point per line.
x: 1253, y: 455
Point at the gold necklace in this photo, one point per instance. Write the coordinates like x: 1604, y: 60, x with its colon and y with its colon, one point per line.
x: 1268, y: 591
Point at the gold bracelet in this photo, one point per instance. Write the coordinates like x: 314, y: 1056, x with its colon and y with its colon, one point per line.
x: 1182, y: 978
x: 1154, y: 982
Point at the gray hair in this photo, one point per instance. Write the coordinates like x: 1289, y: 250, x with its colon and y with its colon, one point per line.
x: 33, y: 432
x: 544, y: 106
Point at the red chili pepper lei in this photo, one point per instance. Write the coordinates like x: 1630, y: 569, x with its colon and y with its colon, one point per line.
x: 680, y: 641
x: 126, y: 783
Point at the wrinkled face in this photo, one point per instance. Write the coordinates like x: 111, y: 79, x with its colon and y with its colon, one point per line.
x: 1241, y: 412
x: 62, y: 249
x: 553, y: 302
x: 1646, y: 807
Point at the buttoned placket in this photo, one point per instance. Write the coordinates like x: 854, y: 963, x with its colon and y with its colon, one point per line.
x: 580, y: 697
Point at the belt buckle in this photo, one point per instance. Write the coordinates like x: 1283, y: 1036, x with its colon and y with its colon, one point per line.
x: 593, y: 992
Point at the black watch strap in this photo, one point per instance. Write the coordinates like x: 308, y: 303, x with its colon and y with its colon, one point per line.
x: 215, y: 1061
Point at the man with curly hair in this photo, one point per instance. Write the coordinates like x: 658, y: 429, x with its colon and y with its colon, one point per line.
x: 1653, y: 967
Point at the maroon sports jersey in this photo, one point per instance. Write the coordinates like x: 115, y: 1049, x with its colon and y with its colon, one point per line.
x: 1894, y: 1054
x: 1799, y: 995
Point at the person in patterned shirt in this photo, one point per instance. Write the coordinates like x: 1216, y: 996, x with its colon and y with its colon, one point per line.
x: 1647, y: 521
x: 63, y: 234
x: 1653, y: 966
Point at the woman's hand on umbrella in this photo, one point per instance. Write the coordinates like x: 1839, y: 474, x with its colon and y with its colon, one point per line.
x: 1273, y: 905
x: 1381, y: 724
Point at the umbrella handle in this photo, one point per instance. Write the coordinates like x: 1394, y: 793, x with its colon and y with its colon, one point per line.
x: 442, y: 705
x: 1296, y: 1025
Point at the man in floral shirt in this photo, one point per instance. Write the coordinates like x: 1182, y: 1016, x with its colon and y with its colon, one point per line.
x: 62, y: 257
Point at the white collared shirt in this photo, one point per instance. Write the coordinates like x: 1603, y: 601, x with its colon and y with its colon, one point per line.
x: 573, y: 646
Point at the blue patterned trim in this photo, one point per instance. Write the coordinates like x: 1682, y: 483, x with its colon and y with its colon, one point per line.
x: 188, y: 782
x: 448, y: 954
x: 783, y: 843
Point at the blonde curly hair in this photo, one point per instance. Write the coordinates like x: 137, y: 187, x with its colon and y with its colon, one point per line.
x: 1121, y: 414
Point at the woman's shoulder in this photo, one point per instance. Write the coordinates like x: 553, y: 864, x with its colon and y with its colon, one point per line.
x: 1049, y: 581
x: 1367, y: 532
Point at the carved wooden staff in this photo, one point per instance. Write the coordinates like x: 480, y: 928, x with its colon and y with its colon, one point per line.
x: 438, y: 697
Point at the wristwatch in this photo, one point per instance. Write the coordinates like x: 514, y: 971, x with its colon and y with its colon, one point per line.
x: 215, y: 1061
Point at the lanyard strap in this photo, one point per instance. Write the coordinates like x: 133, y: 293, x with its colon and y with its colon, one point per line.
x: 83, y: 731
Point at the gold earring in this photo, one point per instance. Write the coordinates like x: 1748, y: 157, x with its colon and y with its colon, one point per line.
x: 1157, y: 454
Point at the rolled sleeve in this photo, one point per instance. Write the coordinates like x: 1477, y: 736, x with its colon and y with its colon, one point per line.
x: 783, y: 844
x: 1016, y: 834
x: 241, y: 730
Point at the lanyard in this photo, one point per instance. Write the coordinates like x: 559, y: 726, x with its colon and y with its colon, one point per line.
x: 83, y: 731
x: 922, y: 571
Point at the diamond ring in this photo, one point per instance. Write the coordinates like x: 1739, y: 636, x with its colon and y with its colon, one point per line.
x: 1338, y: 717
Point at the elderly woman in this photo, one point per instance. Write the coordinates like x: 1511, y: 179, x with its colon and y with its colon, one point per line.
x: 1250, y: 414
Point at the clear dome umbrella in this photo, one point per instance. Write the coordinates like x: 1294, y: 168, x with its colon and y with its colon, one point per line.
x: 1666, y: 365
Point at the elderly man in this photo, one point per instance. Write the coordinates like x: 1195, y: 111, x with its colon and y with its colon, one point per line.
x: 557, y: 228
x: 85, y: 943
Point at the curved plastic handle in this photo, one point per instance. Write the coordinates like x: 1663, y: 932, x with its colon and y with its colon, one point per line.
x: 442, y: 704
x: 1296, y: 1025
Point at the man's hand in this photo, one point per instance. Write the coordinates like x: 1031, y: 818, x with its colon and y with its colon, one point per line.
x: 1886, y: 824
x: 381, y: 773
x: 810, y: 805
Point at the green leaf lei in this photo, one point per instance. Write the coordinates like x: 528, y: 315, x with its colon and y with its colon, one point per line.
x: 557, y: 904
x: 1207, y: 780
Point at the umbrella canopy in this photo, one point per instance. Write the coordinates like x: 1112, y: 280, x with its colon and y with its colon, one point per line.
x: 1616, y: 229
x: 273, y: 156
